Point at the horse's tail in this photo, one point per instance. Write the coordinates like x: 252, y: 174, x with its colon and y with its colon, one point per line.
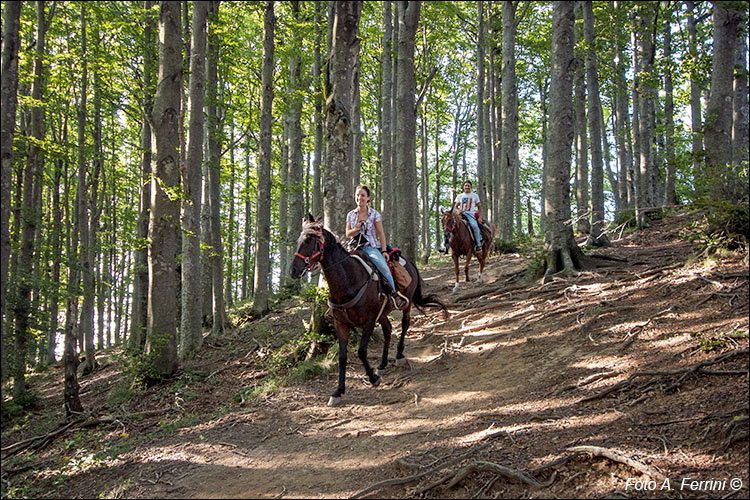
x: 422, y: 301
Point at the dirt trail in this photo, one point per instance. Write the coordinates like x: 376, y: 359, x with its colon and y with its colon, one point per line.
x: 502, y: 381
x: 507, y: 375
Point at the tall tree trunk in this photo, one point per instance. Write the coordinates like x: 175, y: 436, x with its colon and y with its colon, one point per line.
x: 337, y: 188
x: 741, y: 112
x: 31, y: 212
x: 563, y: 254
x: 247, y: 245
x: 695, y: 97
x: 263, y: 211
x: 284, y: 196
x: 723, y: 180
x: 389, y: 206
x: 583, y: 226
x: 229, y: 281
x: 622, y: 124
x: 670, y: 197
x: 296, y: 166
x: 214, y: 172
x: 386, y: 114
x: 482, y: 151
x: 509, y: 159
x: 161, y: 338
x: 635, y: 134
x: 645, y: 193
x: 543, y: 98
x: 191, y: 321
x: 139, y: 315
x: 596, y: 129
x: 89, y: 262
x: 56, y: 236
x: 9, y: 99
x: 317, y: 198
x: 406, y: 236
x: 356, y: 124
x: 425, y: 181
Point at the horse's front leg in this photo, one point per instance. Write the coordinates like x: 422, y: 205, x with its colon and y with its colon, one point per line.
x: 466, y: 267
x: 455, y: 269
x: 342, y: 333
x: 405, y: 322
x: 385, y: 323
x: 362, y: 351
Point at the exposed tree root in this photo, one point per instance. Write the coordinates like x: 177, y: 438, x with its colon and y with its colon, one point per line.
x: 620, y: 457
x: 410, y: 479
x: 686, y: 371
x: 484, y: 466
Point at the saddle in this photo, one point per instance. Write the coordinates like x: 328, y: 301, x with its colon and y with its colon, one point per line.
x: 395, y: 261
x: 484, y: 229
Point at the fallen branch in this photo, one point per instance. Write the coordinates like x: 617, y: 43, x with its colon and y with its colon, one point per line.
x: 14, y: 448
x: 621, y: 458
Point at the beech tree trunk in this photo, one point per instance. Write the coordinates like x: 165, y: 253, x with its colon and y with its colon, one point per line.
x: 563, y: 254
x: 161, y: 338
x: 741, y: 118
x: 670, y: 196
x: 263, y: 212
x: 338, y: 191
x: 296, y: 166
x: 406, y: 216
x: 386, y: 113
x: 317, y: 198
x: 191, y: 322
x: 30, y: 217
x: 583, y: 225
x: 596, y: 129
x: 139, y: 317
x: 9, y: 99
x: 644, y: 198
x: 721, y: 178
x: 509, y: 158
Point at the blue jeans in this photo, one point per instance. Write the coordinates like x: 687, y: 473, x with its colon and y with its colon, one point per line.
x: 474, y: 227
x: 377, y: 258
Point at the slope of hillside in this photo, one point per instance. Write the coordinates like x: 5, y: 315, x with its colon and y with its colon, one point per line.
x: 630, y: 379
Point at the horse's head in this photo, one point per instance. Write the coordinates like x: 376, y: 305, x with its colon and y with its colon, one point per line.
x: 310, y: 246
x: 448, y: 221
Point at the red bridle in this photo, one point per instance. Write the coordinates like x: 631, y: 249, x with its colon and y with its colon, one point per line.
x: 311, y: 262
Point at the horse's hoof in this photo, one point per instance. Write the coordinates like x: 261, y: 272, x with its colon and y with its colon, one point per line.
x: 401, y: 362
x: 334, y: 401
x: 376, y: 382
x: 455, y: 288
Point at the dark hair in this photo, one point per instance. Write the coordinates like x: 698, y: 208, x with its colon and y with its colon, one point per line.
x: 362, y: 186
x: 470, y: 184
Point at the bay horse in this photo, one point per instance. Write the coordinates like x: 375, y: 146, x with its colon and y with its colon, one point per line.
x: 356, y: 298
x: 457, y: 237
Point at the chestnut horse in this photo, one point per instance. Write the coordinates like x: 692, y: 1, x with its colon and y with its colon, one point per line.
x: 457, y: 236
x: 356, y: 297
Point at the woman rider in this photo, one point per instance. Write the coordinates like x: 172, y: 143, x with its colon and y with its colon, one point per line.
x: 369, y: 223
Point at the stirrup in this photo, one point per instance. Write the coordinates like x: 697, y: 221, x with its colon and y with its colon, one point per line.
x: 405, y: 303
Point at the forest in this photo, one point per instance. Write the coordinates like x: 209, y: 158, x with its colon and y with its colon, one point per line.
x: 158, y: 159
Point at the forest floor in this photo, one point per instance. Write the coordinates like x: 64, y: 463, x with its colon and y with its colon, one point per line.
x: 642, y: 359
